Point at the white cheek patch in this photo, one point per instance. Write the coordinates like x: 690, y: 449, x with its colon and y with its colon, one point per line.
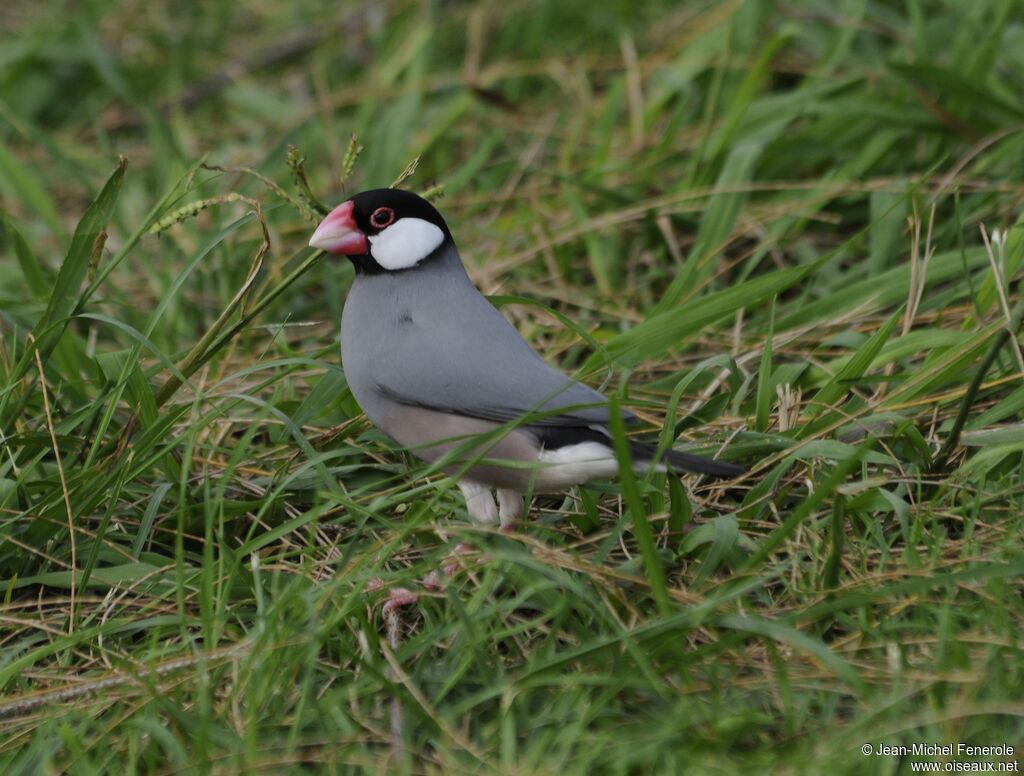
x: 405, y: 243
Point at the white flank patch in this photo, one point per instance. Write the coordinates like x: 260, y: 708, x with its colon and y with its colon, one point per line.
x: 405, y: 243
x: 575, y: 464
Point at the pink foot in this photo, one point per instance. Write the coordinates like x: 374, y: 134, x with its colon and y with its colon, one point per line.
x: 434, y: 581
x: 397, y: 596
x: 453, y: 564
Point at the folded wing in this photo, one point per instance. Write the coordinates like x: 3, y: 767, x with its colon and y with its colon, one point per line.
x: 469, y: 360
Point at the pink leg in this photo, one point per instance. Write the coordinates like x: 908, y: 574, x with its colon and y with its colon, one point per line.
x: 510, y: 509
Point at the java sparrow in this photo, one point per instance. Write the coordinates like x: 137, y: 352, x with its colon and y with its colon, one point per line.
x: 436, y: 367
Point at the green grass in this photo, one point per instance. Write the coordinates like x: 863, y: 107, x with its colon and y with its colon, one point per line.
x: 757, y: 224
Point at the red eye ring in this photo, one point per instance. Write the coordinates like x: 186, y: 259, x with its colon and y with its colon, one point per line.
x: 382, y: 218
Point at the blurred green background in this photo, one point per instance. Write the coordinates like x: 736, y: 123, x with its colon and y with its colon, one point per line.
x: 788, y: 232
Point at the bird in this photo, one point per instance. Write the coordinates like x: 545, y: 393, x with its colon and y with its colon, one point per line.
x: 444, y: 374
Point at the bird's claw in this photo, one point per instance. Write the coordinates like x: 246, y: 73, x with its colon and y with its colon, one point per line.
x: 398, y: 597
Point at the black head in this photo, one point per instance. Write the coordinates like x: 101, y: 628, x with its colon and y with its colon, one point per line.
x: 383, y: 230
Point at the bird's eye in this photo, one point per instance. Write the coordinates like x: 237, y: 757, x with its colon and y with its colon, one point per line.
x: 382, y: 217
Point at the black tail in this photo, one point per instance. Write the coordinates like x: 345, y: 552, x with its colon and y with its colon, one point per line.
x: 685, y: 462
